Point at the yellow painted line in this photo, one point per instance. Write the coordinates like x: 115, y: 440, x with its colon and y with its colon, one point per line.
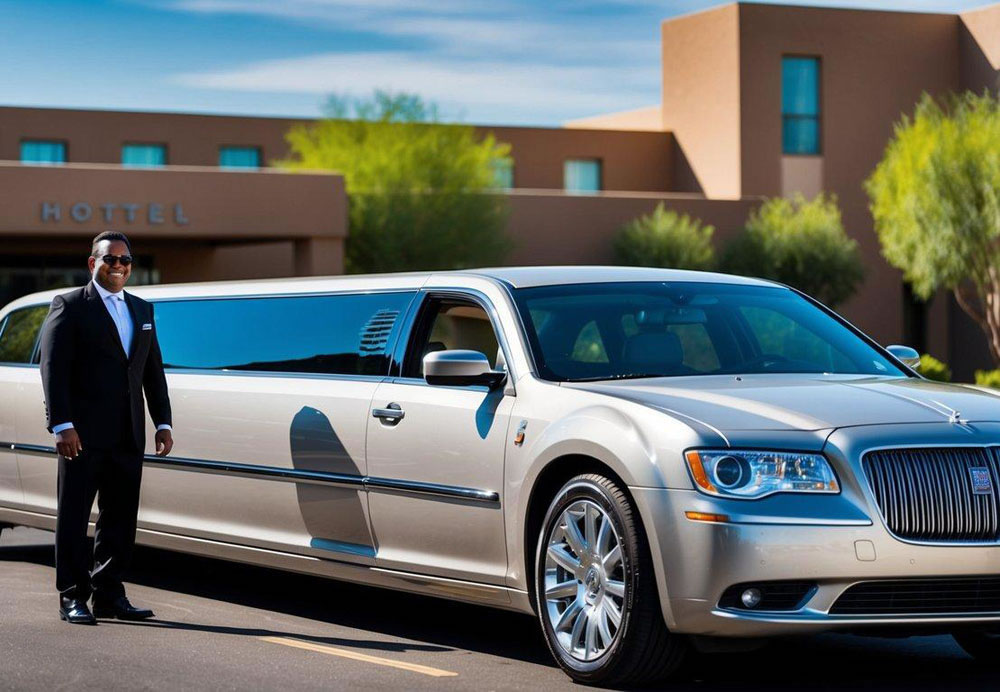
x: 354, y: 655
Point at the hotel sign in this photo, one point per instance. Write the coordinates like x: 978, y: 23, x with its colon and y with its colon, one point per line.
x: 152, y: 213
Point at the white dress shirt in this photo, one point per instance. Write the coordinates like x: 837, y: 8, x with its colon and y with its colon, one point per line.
x: 118, y: 309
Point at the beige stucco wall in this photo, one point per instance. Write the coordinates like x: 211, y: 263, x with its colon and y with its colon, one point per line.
x: 701, y: 97
x: 196, y: 223
x: 556, y: 228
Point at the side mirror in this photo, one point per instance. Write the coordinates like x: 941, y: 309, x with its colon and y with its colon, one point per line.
x: 460, y: 368
x: 907, y: 355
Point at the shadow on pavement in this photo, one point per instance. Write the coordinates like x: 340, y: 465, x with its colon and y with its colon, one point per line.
x: 823, y: 662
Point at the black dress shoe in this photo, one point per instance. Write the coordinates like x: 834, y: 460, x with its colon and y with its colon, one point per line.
x: 120, y: 608
x: 75, y: 612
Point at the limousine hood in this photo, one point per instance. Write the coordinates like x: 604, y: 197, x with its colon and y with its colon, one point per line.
x: 803, y: 402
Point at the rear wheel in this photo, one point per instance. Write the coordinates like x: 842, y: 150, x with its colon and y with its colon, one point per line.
x: 596, y: 593
x: 982, y: 645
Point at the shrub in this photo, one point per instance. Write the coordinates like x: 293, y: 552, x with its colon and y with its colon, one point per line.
x: 801, y: 243
x: 933, y: 369
x: 419, y: 190
x: 665, y: 238
x: 988, y: 378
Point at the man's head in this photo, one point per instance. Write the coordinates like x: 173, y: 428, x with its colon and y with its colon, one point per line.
x: 110, y: 260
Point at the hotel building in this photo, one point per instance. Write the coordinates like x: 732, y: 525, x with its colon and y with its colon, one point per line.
x: 757, y: 101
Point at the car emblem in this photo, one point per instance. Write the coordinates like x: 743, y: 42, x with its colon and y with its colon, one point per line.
x: 956, y: 418
x: 982, y: 483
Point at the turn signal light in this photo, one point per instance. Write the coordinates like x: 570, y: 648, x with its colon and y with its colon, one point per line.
x: 706, y: 516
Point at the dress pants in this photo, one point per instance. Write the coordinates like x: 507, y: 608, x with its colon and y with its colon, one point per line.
x: 114, y: 475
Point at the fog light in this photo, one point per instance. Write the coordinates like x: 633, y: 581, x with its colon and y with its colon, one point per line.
x: 751, y: 598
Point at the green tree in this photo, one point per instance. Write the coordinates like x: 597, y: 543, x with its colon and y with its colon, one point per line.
x: 801, y: 243
x: 935, y: 197
x: 665, y: 238
x: 419, y: 190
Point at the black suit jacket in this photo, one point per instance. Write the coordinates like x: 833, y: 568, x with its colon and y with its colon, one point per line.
x: 90, y: 381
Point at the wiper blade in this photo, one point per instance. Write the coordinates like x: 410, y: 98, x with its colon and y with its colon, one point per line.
x: 621, y: 376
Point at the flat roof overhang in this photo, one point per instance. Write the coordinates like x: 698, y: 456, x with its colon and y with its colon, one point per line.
x: 179, y: 202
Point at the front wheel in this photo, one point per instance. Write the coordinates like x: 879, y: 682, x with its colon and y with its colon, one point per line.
x: 595, y: 589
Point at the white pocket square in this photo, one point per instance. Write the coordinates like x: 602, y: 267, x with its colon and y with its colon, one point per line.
x: 146, y: 327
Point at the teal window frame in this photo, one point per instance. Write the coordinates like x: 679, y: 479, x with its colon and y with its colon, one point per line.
x: 144, y: 155
x: 44, y: 152
x: 801, y: 105
x: 583, y: 176
x: 229, y: 157
x: 503, y: 173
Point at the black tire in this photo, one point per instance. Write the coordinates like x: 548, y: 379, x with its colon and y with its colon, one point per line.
x: 982, y: 645
x: 642, y: 649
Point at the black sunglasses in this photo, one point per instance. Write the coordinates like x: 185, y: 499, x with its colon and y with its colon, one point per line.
x: 112, y: 259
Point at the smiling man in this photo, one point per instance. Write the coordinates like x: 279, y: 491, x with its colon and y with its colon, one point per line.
x: 99, y: 353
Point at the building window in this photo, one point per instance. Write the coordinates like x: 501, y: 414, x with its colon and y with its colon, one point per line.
x: 144, y: 155
x: 503, y: 173
x: 800, y: 105
x: 582, y: 175
x: 239, y: 157
x: 43, y: 151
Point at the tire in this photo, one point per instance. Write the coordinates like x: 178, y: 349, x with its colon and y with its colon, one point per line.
x: 982, y: 645
x: 641, y: 649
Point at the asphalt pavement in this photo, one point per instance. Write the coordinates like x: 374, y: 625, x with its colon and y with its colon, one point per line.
x: 222, y: 626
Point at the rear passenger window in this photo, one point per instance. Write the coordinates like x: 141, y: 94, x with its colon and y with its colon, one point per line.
x: 346, y: 334
x: 19, y: 333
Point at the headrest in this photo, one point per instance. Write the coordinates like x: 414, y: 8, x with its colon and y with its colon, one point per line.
x: 653, y: 349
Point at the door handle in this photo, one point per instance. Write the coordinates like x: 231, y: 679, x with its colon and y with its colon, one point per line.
x: 389, y: 415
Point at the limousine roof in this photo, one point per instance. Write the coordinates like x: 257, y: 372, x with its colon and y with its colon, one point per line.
x: 515, y: 277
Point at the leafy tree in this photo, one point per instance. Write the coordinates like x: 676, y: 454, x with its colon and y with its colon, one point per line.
x: 933, y: 369
x: 665, y: 238
x: 801, y: 243
x: 419, y: 190
x: 935, y: 197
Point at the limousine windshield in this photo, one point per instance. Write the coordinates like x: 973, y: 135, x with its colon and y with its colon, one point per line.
x: 582, y: 332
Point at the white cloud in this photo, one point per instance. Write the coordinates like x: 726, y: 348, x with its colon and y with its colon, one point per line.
x: 482, y: 87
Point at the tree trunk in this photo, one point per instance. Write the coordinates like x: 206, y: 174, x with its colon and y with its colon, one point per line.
x: 982, y: 304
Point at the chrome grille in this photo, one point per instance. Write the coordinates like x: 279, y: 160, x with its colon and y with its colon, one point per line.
x: 927, y: 494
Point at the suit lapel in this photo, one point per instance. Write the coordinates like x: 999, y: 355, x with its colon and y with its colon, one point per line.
x: 102, y: 316
x: 133, y: 311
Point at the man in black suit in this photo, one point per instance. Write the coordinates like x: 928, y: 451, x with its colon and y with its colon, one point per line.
x: 98, y: 354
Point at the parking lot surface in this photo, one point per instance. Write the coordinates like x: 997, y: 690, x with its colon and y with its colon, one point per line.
x: 222, y: 626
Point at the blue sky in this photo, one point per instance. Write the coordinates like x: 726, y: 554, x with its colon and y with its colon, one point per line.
x: 497, y: 61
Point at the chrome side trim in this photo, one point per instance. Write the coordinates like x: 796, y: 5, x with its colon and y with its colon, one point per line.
x: 432, y: 489
x: 275, y: 473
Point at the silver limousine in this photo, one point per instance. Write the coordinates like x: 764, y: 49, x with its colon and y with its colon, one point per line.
x: 650, y: 460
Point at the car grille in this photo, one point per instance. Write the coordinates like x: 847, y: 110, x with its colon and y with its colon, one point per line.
x: 928, y: 494
x: 920, y: 597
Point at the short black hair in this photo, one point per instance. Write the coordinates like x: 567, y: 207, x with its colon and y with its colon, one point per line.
x: 109, y: 235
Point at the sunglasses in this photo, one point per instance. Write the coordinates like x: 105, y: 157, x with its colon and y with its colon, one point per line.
x: 113, y: 259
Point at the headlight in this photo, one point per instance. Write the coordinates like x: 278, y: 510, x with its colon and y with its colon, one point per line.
x: 753, y: 474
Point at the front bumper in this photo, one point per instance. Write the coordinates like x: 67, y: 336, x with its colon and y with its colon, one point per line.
x: 834, y: 541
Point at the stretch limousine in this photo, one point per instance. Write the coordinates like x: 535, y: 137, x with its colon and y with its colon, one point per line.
x: 647, y: 459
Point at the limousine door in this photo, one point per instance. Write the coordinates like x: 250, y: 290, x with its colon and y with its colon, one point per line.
x: 270, y: 402
x: 435, y: 456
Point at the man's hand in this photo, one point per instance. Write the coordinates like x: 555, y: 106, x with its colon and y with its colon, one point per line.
x: 164, y: 442
x: 68, y: 443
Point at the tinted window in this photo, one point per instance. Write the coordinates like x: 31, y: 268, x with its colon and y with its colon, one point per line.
x: 608, y: 331
x: 19, y: 333
x: 449, y: 325
x: 342, y: 334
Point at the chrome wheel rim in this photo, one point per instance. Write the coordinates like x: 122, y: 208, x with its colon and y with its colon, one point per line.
x: 584, y: 581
